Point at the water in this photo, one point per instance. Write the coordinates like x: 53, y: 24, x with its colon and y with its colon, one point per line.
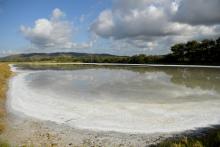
x: 118, y: 98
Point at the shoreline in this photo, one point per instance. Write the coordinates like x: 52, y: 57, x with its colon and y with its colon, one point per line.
x: 119, y: 64
x: 64, y: 135
x: 22, y: 130
x: 19, y: 100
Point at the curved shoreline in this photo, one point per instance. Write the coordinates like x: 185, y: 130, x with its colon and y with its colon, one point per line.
x: 44, y: 133
x: 83, y: 137
x: 87, y: 114
x: 119, y: 64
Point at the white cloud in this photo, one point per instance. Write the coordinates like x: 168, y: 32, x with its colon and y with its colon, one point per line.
x: 197, y: 12
x: 154, y: 24
x: 104, y: 24
x: 57, y: 13
x: 55, y: 32
x: 130, y: 21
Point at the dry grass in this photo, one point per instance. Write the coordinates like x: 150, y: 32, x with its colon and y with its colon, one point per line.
x: 5, y: 73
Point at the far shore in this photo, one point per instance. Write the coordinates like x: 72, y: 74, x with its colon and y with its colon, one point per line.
x: 116, y: 64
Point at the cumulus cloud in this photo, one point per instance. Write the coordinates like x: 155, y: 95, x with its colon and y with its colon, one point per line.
x: 199, y: 12
x: 130, y: 19
x: 148, y: 23
x: 55, y: 32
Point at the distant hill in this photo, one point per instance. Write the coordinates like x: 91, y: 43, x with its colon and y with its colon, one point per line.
x: 58, y: 57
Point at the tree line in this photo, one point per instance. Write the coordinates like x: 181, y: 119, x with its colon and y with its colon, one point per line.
x: 206, y: 52
x: 197, y: 52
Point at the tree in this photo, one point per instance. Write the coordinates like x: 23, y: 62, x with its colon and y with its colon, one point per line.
x: 208, y: 50
x: 138, y: 59
x: 192, y: 51
x: 178, y: 51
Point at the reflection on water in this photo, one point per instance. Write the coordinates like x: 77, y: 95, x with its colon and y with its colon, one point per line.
x: 204, y: 78
x: 119, y: 98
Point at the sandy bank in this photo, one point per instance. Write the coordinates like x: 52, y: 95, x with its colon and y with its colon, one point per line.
x: 22, y: 131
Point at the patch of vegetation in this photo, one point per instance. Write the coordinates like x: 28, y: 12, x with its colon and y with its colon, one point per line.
x: 5, y: 73
x: 4, y: 143
x: 211, y: 139
x: 197, y: 52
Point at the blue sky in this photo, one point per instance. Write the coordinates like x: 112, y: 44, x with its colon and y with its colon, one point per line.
x: 14, y: 13
x: 123, y: 27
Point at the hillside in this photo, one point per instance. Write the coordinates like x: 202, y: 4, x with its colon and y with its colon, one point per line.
x: 58, y: 57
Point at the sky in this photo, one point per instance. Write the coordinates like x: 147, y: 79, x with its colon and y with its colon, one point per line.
x: 120, y: 27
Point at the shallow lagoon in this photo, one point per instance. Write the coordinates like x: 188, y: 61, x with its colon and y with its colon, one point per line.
x: 126, y: 99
